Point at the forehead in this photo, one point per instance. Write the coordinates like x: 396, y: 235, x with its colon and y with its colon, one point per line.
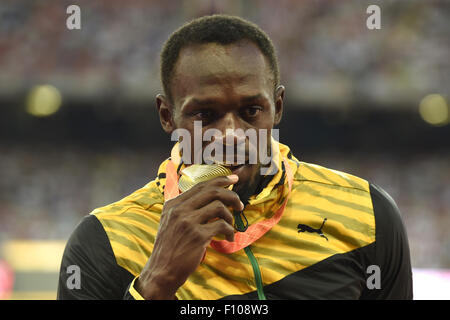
x: 212, y: 70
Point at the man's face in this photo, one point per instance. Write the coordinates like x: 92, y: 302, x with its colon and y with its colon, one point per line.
x: 225, y: 87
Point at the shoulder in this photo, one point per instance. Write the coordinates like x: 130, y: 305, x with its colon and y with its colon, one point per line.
x: 391, y: 251
x: 131, y: 225
x: 144, y: 199
x: 88, y: 244
x: 387, y: 215
x: 338, y: 188
x: 89, y: 251
x: 139, y: 209
x: 334, y: 190
x: 343, y: 199
x: 316, y: 174
x: 89, y: 230
x: 383, y: 201
x: 333, y: 183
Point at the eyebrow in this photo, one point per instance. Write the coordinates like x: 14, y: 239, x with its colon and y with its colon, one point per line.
x: 256, y: 97
x: 208, y: 102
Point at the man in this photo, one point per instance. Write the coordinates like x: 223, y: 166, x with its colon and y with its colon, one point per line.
x: 303, y: 232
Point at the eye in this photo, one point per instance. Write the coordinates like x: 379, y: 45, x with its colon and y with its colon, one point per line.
x: 252, y: 111
x: 203, y: 114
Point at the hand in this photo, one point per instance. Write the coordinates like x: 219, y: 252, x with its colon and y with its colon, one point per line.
x: 184, y: 233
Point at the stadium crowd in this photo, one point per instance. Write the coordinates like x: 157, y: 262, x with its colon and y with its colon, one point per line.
x: 323, y: 46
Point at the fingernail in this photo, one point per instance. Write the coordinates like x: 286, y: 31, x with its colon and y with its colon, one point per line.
x: 233, y: 177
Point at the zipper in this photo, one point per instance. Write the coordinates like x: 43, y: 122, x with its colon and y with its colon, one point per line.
x: 239, y: 225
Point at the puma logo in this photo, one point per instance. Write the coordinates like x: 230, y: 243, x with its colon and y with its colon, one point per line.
x: 304, y: 227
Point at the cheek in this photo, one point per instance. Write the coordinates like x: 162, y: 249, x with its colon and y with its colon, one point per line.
x: 259, y: 148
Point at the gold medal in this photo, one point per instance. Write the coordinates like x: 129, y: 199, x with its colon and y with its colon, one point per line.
x: 196, y: 173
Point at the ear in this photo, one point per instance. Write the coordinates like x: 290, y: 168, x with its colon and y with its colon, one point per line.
x: 279, y: 96
x: 165, y: 112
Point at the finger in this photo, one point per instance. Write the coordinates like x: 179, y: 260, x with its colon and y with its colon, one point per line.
x: 216, y: 182
x: 227, y: 197
x: 199, y: 187
x: 219, y: 227
x: 214, y: 210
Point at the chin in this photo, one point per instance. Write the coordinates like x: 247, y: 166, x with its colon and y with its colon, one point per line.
x: 248, y: 177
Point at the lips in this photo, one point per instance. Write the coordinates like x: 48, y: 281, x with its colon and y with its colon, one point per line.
x: 235, y: 168
x: 234, y: 163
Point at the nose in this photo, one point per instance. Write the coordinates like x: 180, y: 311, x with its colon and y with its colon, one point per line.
x: 232, y: 131
x: 229, y: 121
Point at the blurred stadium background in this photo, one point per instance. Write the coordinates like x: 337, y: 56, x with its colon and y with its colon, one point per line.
x: 79, y: 129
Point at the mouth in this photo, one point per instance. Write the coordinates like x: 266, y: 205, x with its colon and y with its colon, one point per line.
x: 235, y: 169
